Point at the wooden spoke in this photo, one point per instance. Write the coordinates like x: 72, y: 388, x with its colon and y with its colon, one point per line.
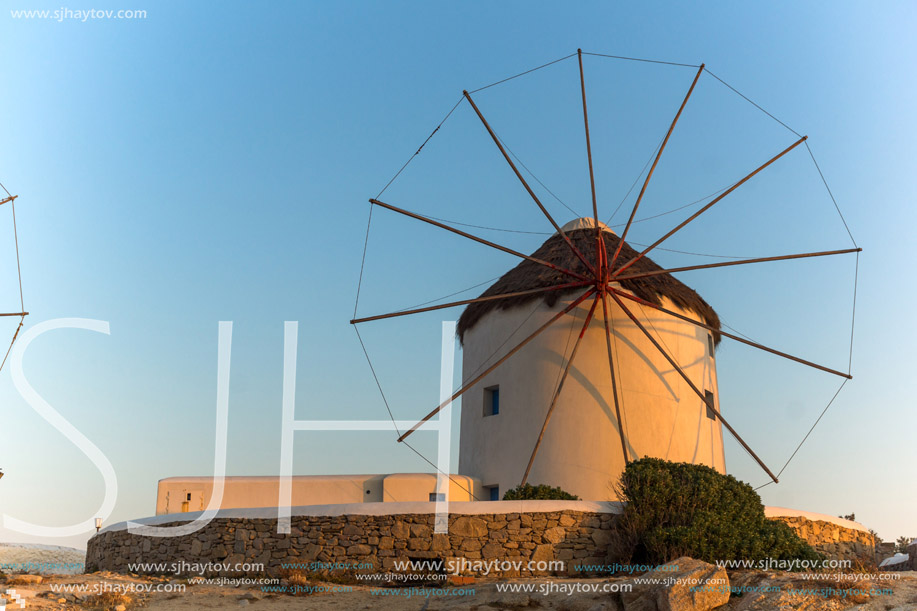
x: 708, y: 206
x: 480, y: 377
x: 600, y: 280
x: 614, y: 384
x: 595, y: 205
x: 687, y: 380
x: 475, y: 238
x: 649, y: 175
x: 560, y: 386
x: 659, y: 272
x: 544, y: 289
x: 531, y: 193
x: 730, y: 335
x: 14, y: 314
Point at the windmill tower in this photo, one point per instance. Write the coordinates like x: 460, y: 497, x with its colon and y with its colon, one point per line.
x: 504, y: 416
x: 592, y: 338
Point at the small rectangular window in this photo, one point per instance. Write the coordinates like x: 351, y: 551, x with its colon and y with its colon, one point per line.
x: 709, y: 400
x: 437, y: 496
x: 710, y: 346
x: 492, y: 493
x: 492, y: 401
x: 189, y: 496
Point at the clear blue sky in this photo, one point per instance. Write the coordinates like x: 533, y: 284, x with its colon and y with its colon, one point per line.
x: 213, y: 161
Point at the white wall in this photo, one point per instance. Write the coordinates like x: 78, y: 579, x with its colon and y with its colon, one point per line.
x: 581, y: 450
x: 257, y: 491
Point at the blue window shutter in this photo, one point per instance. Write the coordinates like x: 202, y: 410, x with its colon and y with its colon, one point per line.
x: 495, y: 399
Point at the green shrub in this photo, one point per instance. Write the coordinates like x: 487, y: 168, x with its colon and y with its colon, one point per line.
x: 680, y: 509
x: 528, y: 492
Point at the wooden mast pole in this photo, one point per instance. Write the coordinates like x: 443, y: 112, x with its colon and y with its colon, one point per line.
x: 503, y: 359
x: 685, y: 377
x: 708, y: 206
x: 729, y: 335
x: 689, y: 268
x: 476, y: 239
x: 595, y: 206
x: 614, y: 384
x: 649, y: 175
x: 603, y: 256
x: 545, y: 289
x: 531, y: 193
x: 560, y: 386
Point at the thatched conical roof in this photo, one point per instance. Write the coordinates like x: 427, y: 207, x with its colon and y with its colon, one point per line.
x: 529, y: 275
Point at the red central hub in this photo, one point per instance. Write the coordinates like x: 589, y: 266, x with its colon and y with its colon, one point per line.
x: 601, y: 270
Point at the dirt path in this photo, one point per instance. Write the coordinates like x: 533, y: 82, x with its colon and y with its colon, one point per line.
x: 109, y: 590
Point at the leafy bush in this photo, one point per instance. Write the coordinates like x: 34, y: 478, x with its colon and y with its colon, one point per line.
x: 529, y: 492
x: 680, y: 509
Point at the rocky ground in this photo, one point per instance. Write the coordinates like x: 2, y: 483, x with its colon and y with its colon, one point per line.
x: 31, y: 558
x: 761, y: 591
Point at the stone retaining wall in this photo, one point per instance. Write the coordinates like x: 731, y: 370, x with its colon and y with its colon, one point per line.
x: 577, y: 538
x: 833, y: 540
